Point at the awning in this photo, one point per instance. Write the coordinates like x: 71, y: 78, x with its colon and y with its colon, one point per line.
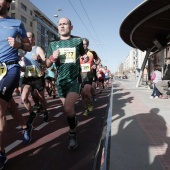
x: 147, y: 25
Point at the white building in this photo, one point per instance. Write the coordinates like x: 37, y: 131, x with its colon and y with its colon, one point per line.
x: 34, y: 21
x: 134, y: 60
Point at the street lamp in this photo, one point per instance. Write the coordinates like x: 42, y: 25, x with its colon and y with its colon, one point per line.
x: 56, y: 15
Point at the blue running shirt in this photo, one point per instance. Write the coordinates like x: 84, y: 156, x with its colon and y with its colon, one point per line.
x: 10, y: 27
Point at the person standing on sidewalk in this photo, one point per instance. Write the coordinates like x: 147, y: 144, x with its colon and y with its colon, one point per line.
x: 65, y: 53
x: 161, y: 85
x: 34, y: 79
x: 10, y: 29
x: 156, y: 77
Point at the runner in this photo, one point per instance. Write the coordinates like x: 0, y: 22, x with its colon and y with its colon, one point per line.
x: 9, y: 68
x: 107, y: 75
x: 66, y: 52
x: 88, y: 75
x: 34, y: 79
x: 100, y: 75
x: 50, y: 79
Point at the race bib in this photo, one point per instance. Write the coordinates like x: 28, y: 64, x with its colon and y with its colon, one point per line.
x: 30, y: 71
x: 3, y: 70
x: 67, y: 55
x: 85, y: 67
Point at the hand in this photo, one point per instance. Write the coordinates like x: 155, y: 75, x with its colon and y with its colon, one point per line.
x: 56, y: 54
x: 85, y: 58
x: 13, y: 43
x: 93, y: 66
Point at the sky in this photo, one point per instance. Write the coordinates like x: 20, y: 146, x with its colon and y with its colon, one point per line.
x: 97, y: 20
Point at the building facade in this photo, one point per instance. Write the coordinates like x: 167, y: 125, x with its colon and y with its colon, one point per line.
x: 133, y: 62
x: 34, y: 21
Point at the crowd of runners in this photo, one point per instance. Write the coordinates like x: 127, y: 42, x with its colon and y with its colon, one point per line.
x: 69, y: 69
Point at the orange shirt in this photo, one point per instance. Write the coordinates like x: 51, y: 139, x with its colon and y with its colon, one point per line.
x: 86, y: 67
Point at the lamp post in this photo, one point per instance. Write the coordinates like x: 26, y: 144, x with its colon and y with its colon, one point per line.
x: 58, y: 11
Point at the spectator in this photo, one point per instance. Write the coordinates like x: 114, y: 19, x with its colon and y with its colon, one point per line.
x: 156, y: 77
x: 162, y: 85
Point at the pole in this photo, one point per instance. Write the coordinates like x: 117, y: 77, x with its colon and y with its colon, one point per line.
x: 143, y: 66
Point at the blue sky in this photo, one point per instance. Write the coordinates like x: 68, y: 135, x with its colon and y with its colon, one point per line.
x: 97, y: 20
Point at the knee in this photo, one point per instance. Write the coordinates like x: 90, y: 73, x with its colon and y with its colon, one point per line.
x: 68, y: 110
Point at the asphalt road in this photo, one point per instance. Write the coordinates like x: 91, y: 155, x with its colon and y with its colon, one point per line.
x: 48, y: 149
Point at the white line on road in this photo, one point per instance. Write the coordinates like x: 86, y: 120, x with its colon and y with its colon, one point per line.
x: 57, y: 107
x: 12, y: 145
x: 18, y: 127
x: 41, y: 126
x: 58, y: 114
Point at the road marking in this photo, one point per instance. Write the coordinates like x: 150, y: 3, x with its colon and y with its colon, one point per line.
x: 41, y: 126
x: 58, y: 114
x: 57, y: 107
x: 18, y: 127
x: 12, y: 145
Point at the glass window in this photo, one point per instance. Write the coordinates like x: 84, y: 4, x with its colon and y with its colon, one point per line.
x: 30, y: 24
x: 46, y: 33
x: 12, y: 6
x: 23, y: 7
x: 12, y: 15
x: 42, y: 30
x: 23, y: 19
x: 30, y: 12
x: 39, y: 38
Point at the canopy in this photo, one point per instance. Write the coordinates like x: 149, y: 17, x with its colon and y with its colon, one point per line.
x: 147, y: 26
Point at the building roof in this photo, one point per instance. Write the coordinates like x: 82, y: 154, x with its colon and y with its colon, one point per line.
x: 148, y: 22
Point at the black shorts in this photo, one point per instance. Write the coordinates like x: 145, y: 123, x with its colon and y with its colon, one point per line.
x: 101, y: 80
x: 36, y: 83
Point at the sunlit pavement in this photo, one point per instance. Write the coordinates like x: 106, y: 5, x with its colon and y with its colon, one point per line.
x: 140, y: 129
x: 48, y: 149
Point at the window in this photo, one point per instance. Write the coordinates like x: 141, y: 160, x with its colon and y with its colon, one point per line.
x: 12, y: 6
x: 30, y: 24
x: 30, y: 12
x: 12, y: 15
x: 46, y: 33
x: 39, y: 27
x: 23, y: 19
x: 23, y: 7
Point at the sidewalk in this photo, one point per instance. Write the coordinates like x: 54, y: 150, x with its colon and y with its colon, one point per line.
x: 140, y: 129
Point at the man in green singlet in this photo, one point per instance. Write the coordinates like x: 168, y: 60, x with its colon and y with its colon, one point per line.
x: 65, y: 53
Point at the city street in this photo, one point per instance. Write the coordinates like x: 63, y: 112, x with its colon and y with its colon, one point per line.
x: 48, y: 148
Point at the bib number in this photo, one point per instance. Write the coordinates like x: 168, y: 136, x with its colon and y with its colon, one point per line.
x: 85, y: 67
x: 67, y: 55
x: 3, y: 70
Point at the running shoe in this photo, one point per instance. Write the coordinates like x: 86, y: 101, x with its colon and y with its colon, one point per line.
x: 86, y: 112
x: 27, y: 134
x: 31, y: 118
x: 45, y: 116
x: 90, y: 107
x: 72, y: 140
x: 3, y: 160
